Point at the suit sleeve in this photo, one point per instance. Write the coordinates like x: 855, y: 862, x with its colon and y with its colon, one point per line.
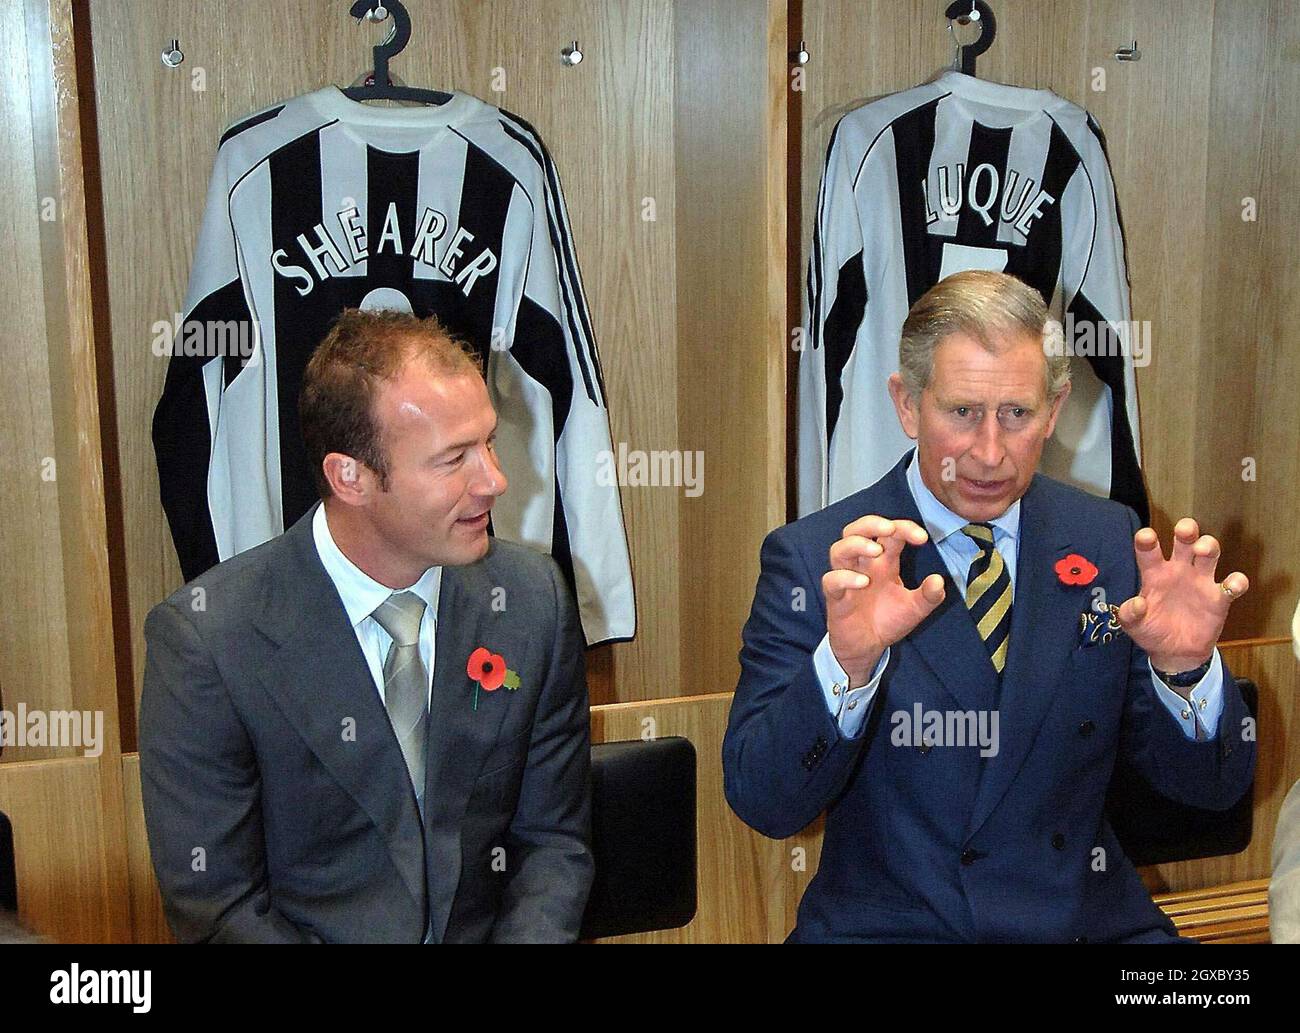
x: 548, y: 845
x: 1211, y: 773
x: 835, y: 308
x: 202, y: 796
x: 200, y: 365
x: 783, y: 757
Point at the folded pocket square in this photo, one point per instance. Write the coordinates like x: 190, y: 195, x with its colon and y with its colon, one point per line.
x: 1098, y: 629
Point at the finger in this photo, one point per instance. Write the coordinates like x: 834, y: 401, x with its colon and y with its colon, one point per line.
x: 1237, y: 585
x: 929, y: 593
x: 1186, y: 532
x: 1146, y: 547
x: 870, y: 526
x: 1131, y: 611
x: 836, y: 584
x: 854, y: 552
x: 1205, y: 555
x: 910, y: 531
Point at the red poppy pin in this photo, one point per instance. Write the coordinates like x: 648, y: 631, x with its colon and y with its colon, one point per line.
x: 488, y: 671
x: 1075, y: 570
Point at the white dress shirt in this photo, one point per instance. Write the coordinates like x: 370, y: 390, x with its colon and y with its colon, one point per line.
x: 361, y: 595
x: 1197, y: 715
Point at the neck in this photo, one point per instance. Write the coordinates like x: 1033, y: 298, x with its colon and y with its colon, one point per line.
x: 362, y: 547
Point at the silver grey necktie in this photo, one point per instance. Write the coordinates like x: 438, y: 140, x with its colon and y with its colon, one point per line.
x: 406, y: 682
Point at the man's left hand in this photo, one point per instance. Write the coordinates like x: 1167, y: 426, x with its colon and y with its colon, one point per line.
x: 1179, y: 610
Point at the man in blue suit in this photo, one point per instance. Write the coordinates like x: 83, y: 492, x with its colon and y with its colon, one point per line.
x: 939, y: 664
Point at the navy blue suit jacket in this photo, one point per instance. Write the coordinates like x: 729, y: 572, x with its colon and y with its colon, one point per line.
x: 941, y: 843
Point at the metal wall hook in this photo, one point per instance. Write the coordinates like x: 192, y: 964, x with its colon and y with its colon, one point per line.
x: 571, y: 55
x: 1129, y: 53
x: 800, y: 56
x: 171, y: 55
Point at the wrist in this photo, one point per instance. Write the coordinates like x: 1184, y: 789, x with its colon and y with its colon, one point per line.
x: 859, y: 668
x: 1180, y: 664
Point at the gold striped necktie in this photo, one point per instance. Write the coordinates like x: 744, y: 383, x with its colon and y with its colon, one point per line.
x: 988, y: 594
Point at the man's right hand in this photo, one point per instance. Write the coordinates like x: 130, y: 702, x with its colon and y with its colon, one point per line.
x: 868, y: 608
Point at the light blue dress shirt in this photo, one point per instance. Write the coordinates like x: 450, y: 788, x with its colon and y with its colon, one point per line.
x: 1198, y: 715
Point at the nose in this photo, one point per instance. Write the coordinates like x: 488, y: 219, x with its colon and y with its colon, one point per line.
x: 989, y: 448
x: 491, y: 479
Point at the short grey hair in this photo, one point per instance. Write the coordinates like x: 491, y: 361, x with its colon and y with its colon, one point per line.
x: 980, y: 303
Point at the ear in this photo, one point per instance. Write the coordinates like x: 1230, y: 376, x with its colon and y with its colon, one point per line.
x: 350, y: 480
x: 1056, y: 408
x: 907, y: 406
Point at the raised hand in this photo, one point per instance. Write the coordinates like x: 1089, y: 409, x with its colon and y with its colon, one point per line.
x: 1179, y: 610
x: 868, y: 608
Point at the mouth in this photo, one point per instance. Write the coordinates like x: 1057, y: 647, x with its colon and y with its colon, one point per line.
x: 985, y: 488
x: 475, y: 523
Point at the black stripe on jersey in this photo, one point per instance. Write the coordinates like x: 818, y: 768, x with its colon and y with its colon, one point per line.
x: 248, y: 123
x: 913, y: 149
x: 391, y: 180
x: 181, y: 438
x: 485, y: 199
x: 571, y: 291
x: 296, y: 207
x: 1038, y: 261
x: 987, y: 147
x: 842, y: 323
x: 1095, y: 127
x: 540, y: 351
x: 815, y: 266
x: 1126, y: 484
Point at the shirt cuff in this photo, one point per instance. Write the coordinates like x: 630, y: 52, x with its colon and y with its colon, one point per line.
x: 849, y: 707
x: 1198, y: 714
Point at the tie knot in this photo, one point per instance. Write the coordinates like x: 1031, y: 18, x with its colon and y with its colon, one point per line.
x: 400, y: 615
x: 981, y: 534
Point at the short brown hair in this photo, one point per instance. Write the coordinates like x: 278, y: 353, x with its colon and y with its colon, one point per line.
x: 978, y: 302
x: 361, y: 350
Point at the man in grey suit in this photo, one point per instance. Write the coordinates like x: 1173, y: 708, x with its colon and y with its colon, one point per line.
x: 304, y: 776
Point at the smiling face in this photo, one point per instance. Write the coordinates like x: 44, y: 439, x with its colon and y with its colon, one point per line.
x: 981, y: 422
x: 438, y: 435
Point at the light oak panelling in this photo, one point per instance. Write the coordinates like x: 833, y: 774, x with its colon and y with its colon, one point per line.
x: 69, y: 888
x: 608, y: 123
x: 1208, y: 117
x: 730, y: 317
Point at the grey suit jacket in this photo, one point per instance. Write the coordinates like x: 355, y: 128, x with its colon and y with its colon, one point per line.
x: 278, y: 804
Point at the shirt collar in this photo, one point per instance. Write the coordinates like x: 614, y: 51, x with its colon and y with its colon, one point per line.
x: 361, y: 594
x: 940, y: 521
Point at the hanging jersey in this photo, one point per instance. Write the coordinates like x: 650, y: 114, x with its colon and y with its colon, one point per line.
x: 953, y: 175
x: 321, y: 204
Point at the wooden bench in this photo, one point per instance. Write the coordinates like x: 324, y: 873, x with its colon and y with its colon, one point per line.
x: 1233, y: 913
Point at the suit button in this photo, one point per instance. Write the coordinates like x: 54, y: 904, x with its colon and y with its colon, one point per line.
x: 1087, y: 728
x: 969, y: 856
x: 1058, y: 841
x: 1081, y: 939
x: 925, y: 748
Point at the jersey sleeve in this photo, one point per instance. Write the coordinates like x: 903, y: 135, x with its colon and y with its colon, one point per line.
x: 201, y: 362
x: 554, y: 345
x: 1094, y: 276
x: 835, y: 307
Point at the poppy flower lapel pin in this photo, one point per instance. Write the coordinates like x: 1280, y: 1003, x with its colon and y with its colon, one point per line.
x: 1075, y: 570
x: 489, y: 672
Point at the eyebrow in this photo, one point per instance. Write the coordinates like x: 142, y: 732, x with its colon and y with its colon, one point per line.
x: 465, y: 444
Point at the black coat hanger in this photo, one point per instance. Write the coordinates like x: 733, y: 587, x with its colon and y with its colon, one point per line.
x: 988, y: 30
x: 381, y: 85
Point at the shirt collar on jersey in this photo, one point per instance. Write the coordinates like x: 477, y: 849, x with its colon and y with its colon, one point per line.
x: 362, y: 594
x: 940, y: 521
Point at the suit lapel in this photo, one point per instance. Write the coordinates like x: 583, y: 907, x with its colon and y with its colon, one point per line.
x: 1044, y: 629
x: 460, y: 736
x: 947, y: 642
x: 318, y: 677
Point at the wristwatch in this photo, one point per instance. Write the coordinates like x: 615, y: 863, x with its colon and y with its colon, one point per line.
x: 1184, y: 679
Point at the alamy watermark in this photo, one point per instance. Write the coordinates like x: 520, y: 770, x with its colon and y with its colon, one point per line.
x: 920, y: 727
x: 80, y: 729
x: 658, y: 468
x: 1094, y: 338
